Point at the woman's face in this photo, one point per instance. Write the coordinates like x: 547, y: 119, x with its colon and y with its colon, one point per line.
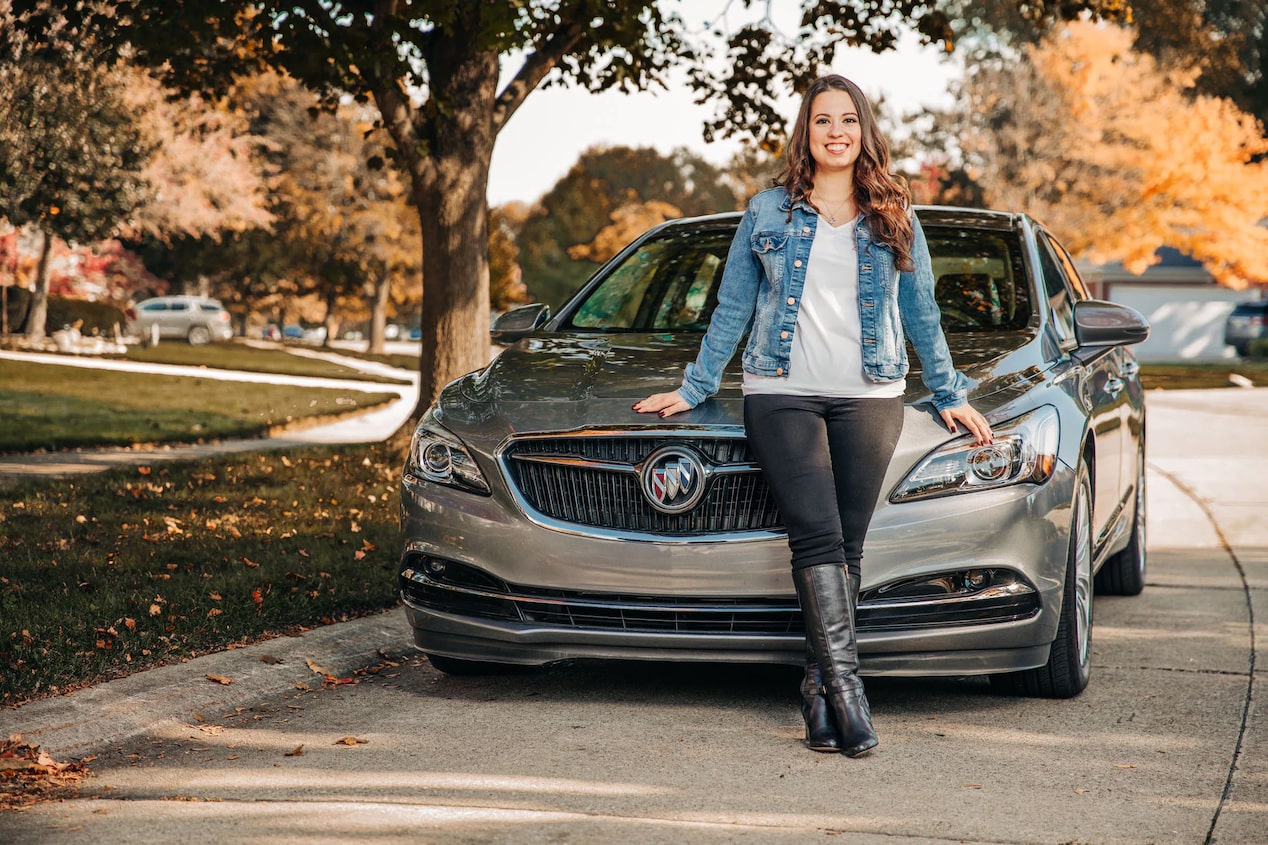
x: 836, y: 136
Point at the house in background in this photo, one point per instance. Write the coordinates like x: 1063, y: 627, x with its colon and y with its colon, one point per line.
x: 1185, y: 306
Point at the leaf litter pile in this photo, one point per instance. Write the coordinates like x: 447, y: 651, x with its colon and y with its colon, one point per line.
x: 140, y: 566
x: 28, y: 775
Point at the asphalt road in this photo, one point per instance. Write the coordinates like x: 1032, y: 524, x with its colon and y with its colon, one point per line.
x: 1168, y: 745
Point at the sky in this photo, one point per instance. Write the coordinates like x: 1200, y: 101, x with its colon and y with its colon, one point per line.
x: 554, y: 125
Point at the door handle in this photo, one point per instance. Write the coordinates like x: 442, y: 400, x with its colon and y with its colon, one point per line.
x: 1113, y: 386
x: 1130, y: 368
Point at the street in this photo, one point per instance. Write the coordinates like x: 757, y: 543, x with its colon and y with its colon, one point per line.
x: 1168, y: 744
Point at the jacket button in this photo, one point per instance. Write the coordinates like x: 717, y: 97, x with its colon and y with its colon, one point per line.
x: 783, y: 335
x: 779, y: 371
x: 792, y: 301
x: 805, y: 230
x: 797, y: 263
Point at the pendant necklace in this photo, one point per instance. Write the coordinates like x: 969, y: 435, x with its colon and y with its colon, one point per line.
x: 827, y: 210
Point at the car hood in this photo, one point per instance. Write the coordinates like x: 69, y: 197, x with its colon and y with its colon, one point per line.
x: 563, y: 381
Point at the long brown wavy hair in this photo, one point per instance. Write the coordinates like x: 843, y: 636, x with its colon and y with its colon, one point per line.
x: 881, y: 197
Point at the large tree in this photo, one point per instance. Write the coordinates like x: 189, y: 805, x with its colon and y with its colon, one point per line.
x: 1120, y: 155
x: 71, y: 160
x: 603, y: 180
x: 433, y: 67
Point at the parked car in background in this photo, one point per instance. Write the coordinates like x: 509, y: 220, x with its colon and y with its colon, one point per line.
x: 194, y: 318
x: 544, y: 520
x: 1247, y: 323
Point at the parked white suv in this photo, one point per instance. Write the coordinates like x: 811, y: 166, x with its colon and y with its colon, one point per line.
x: 194, y: 318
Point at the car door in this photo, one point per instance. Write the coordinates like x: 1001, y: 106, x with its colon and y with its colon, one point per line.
x: 1129, y: 392
x: 1098, y: 387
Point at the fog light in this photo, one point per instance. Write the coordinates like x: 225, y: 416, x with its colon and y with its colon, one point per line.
x: 435, y: 567
x: 976, y: 579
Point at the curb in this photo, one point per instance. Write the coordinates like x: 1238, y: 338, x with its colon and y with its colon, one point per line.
x: 89, y: 720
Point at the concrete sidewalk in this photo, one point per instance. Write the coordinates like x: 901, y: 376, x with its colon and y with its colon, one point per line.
x: 373, y: 425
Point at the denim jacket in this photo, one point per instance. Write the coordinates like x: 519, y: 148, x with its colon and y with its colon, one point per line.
x: 761, y: 289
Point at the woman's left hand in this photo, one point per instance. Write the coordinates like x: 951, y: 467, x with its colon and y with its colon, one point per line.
x: 972, y: 420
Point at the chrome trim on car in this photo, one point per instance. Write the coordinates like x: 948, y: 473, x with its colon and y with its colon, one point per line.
x: 1016, y: 588
x: 680, y: 432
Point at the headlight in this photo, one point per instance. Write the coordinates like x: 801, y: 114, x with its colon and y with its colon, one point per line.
x: 1024, y: 451
x: 436, y: 455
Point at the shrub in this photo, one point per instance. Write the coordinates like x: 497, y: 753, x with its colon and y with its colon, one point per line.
x: 97, y: 317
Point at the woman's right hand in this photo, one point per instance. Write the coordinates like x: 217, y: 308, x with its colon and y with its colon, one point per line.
x: 663, y: 404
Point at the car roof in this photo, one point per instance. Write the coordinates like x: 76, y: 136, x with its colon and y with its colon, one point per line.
x: 930, y: 215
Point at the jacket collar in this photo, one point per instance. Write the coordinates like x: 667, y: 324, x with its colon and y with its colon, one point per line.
x: 786, y: 204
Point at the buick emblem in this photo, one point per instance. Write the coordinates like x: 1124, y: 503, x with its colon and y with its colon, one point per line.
x: 673, y: 479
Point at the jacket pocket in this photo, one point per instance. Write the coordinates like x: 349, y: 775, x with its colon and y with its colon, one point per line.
x: 770, y: 248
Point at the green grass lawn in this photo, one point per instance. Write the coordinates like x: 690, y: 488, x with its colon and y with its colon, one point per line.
x: 1204, y: 375
x: 112, y: 573
x: 49, y: 406
x: 239, y: 356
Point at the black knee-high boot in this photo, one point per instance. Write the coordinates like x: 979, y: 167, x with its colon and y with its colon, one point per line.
x: 827, y: 606
x: 821, y: 725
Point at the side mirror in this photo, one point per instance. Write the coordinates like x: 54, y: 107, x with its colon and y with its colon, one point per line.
x: 519, y: 322
x: 1099, y: 323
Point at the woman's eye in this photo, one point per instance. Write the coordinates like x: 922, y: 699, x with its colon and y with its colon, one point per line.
x: 851, y: 120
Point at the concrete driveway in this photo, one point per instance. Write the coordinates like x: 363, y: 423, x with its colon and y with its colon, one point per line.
x: 1168, y: 745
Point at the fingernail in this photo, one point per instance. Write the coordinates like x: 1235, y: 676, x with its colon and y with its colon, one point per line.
x: 660, y: 414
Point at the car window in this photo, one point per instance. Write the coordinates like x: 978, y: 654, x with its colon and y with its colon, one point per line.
x: 667, y: 284
x: 670, y: 283
x: 1060, y: 297
x: 180, y: 306
x: 1071, y: 273
x: 979, y: 279
x: 210, y: 307
x: 150, y: 307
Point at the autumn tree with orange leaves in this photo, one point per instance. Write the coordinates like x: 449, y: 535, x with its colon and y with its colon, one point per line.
x: 1118, y: 153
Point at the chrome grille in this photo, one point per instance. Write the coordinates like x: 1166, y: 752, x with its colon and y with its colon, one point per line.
x: 593, y: 480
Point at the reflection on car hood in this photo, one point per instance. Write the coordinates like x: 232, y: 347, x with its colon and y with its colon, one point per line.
x: 564, y: 381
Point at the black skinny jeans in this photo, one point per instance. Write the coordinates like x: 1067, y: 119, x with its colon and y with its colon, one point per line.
x: 824, y: 460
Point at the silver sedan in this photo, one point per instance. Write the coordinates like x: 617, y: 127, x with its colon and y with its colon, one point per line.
x: 544, y: 520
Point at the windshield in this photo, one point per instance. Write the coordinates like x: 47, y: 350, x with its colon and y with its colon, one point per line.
x: 670, y: 283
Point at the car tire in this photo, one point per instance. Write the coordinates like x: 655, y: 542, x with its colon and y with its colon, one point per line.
x: 467, y: 668
x: 1124, y: 573
x: 199, y: 336
x: 1066, y: 673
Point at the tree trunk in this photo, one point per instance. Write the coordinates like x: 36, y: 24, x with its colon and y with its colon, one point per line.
x: 378, y: 312
x: 38, y: 313
x: 449, y: 177
x: 331, y: 319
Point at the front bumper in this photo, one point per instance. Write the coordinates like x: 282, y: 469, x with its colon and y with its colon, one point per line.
x: 1022, y: 530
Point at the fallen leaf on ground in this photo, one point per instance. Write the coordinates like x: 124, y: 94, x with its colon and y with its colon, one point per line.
x: 351, y: 740
x: 297, y: 751
x: 269, y: 659
x: 1124, y: 765
x: 220, y: 679
x: 215, y: 611
x: 155, y: 610
x: 252, y: 564
x: 316, y: 667
x: 973, y: 786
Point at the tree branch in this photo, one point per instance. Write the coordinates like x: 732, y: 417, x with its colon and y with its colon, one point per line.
x: 534, y: 70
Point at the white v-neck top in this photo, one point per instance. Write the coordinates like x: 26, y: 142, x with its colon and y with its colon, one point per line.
x: 827, y: 342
